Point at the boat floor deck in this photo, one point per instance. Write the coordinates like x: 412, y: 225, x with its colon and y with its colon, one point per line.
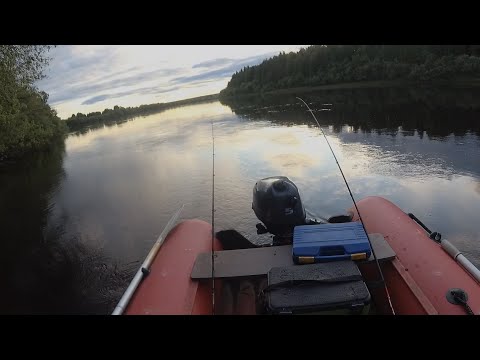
x: 244, y: 273
x: 241, y: 296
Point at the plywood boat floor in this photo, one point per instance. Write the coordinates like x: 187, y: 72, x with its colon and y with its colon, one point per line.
x: 259, y: 261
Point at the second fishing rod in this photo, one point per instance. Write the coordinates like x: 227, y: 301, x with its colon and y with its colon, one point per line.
x: 355, y: 204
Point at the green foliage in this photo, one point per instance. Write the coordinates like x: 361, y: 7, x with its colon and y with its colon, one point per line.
x: 330, y: 64
x: 24, y: 63
x: 27, y: 123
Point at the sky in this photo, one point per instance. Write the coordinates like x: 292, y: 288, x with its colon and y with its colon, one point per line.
x: 87, y: 78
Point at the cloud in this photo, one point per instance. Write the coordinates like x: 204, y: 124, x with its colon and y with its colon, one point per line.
x: 225, y: 71
x: 75, y: 65
x: 142, y: 77
x: 213, y: 63
x: 96, y: 99
x: 99, y: 85
x: 88, y: 76
x: 87, y: 71
x: 142, y: 91
x: 214, y: 74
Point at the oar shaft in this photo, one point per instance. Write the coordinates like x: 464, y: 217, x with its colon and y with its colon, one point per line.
x: 462, y: 260
x: 123, y: 303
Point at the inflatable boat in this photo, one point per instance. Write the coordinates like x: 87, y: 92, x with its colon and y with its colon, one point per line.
x: 405, y: 269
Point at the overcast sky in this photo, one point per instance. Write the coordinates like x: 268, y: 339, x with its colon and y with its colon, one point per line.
x: 86, y: 78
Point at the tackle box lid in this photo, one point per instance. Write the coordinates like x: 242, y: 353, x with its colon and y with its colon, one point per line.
x: 330, y: 240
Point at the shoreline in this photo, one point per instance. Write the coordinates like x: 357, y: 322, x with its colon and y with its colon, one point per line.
x: 457, y: 83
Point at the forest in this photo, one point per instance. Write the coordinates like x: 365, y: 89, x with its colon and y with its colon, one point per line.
x: 28, y: 123
x: 333, y: 64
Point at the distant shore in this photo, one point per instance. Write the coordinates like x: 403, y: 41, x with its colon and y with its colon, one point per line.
x: 119, y: 114
x: 95, y: 119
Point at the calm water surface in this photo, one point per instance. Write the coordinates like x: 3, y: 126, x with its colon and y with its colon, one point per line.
x: 79, y: 220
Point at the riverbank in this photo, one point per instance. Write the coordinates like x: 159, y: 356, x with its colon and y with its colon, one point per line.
x: 81, y: 121
x: 457, y: 83
x: 32, y: 126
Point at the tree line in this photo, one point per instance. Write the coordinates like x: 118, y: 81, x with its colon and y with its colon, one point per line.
x: 330, y: 64
x: 27, y: 122
x: 80, y: 121
x: 437, y: 112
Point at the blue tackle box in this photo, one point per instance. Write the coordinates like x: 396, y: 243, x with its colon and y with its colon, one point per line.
x: 330, y: 242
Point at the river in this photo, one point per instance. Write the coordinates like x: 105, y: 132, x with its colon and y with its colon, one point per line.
x: 78, y: 220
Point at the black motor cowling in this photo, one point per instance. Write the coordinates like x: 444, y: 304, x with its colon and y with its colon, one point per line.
x: 277, y: 204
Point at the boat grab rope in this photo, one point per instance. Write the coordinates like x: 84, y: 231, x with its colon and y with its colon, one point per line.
x: 354, y: 203
x: 213, y: 221
x: 435, y: 236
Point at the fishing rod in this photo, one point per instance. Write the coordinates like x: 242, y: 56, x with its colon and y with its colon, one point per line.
x: 145, y: 268
x: 213, y: 221
x: 354, y: 202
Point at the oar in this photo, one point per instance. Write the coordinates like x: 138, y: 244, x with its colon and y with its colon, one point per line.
x: 450, y: 249
x: 144, y: 269
x: 460, y: 258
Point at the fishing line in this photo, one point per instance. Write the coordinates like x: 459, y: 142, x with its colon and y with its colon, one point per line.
x: 358, y: 212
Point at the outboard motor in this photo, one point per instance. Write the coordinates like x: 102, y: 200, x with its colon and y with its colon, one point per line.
x: 277, y: 204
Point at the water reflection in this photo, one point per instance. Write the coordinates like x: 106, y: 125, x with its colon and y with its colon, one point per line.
x: 43, y: 269
x: 390, y: 122
x: 416, y: 147
x: 436, y: 112
x: 80, y: 219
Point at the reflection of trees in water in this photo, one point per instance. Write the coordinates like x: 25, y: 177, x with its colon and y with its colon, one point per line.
x: 41, y: 269
x: 77, y: 279
x: 85, y: 129
x: 436, y: 111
